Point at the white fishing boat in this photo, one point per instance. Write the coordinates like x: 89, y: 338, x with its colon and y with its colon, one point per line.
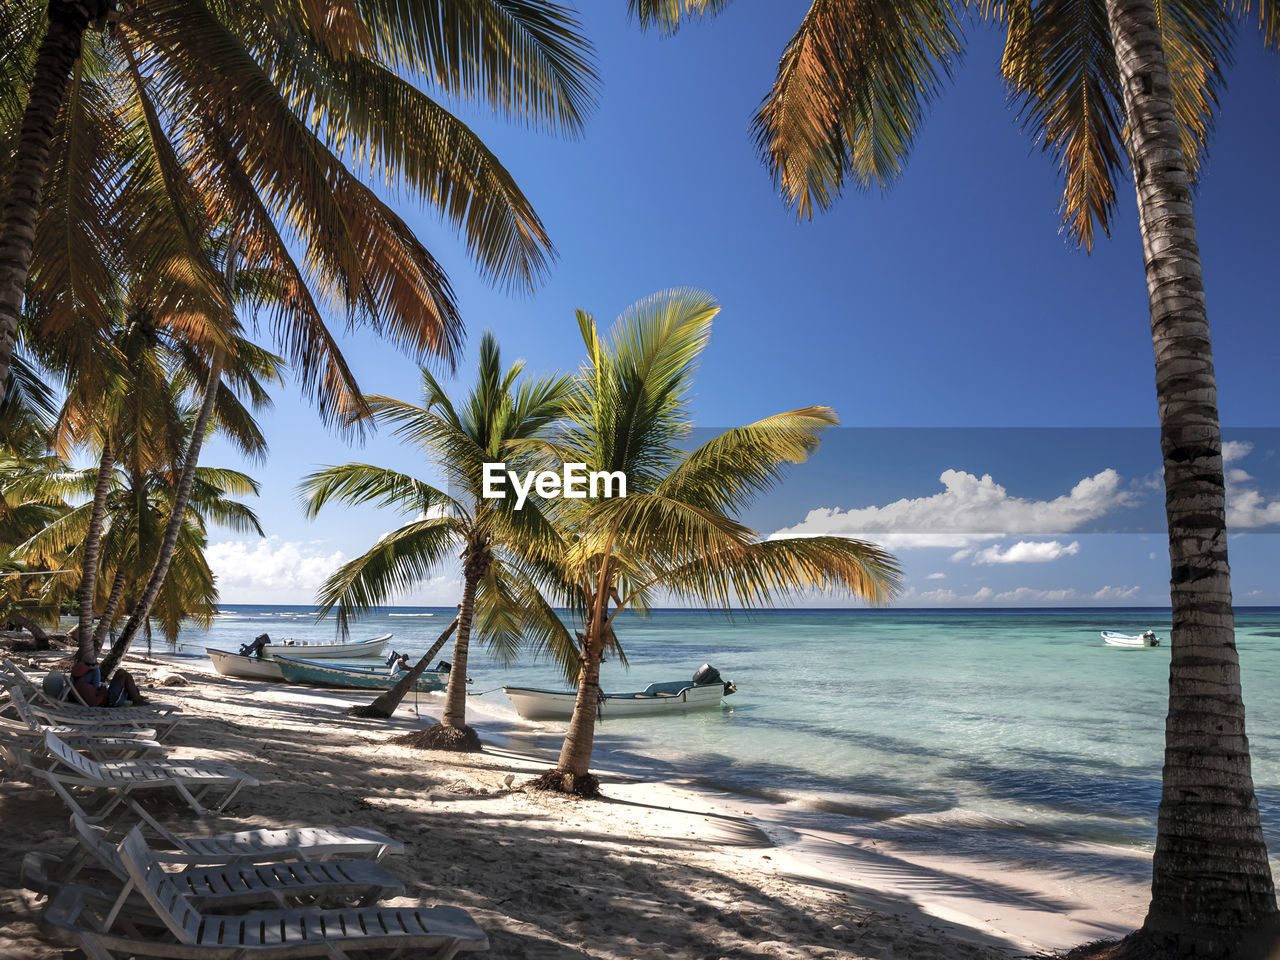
x: 242, y: 665
x: 317, y: 649
x: 1146, y: 639
x: 703, y: 692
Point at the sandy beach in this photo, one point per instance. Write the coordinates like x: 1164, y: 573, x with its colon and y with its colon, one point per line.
x: 655, y: 870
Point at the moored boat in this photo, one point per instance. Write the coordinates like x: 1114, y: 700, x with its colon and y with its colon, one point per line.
x: 242, y: 665
x: 353, y: 677
x: 703, y: 692
x: 318, y: 649
x: 1146, y: 639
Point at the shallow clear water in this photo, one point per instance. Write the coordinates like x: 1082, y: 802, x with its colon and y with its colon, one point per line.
x: 1019, y: 725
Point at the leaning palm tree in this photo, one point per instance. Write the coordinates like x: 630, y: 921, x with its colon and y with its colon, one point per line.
x: 502, y: 413
x: 1097, y: 79
x: 126, y: 129
x: 675, y: 531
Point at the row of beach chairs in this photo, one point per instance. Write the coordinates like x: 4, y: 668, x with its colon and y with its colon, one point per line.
x: 116, y: 894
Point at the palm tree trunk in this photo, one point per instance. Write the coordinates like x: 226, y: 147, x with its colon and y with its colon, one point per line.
x: 68, y: 20
x: 575, y: 753
x: 142, y: 609
x: 92, y: 542
x: 109, y: 610
x: 385, y: 704
x: 455, y: 696
x: 1212, y: 888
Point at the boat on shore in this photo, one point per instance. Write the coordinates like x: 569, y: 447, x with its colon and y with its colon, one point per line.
x: 703, y: 692
x: 266, y: 648
x: 353, y: 677
x: 244, y: 666
x: 1146, y: 639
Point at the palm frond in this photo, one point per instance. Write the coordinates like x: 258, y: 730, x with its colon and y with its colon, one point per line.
x: 526, y: 58
x: 851, y: 93
x: 667, y: 16
x: 393, y: 565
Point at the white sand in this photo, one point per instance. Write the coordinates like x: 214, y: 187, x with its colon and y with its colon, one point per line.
x: 656, y: 870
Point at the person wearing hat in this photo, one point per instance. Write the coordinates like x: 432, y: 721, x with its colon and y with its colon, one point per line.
x: 87, y: 678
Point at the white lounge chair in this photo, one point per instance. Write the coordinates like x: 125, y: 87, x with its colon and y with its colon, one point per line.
x: 222, y: 885
x: 265, y: 845
x: 119, y: 780
x: 24, y: 746
x: 74, y: 916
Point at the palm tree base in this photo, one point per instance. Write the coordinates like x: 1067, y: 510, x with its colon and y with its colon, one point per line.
x: 559, y: 781
x: 1255, y: 944
x: 369, y: 711
x: 439, y: 737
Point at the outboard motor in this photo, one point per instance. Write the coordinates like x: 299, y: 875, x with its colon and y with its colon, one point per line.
x: 706, y: 675
x: 255, y: 649
x: 444, y: 666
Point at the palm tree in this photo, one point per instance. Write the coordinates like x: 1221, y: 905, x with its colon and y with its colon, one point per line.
x: 674, y: 532
x: 499, y: 417
x: 851, y: 90
x: 126, y: 130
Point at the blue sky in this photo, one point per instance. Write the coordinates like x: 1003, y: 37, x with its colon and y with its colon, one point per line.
x: 949, y: 303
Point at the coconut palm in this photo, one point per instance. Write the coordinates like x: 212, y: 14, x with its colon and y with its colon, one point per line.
x: 139, y: 504
x: 127, y: 129
x: 675, y: 532
x: 502, y: 412
x: 1098, y: 80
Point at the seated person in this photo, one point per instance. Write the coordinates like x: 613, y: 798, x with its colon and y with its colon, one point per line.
x: 87, y: 678
x: 400, y: 663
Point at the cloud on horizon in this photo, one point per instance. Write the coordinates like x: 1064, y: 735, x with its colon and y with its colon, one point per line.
x: 968, y: 510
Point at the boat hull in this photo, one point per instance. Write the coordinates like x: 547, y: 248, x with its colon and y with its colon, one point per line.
x: 319, y: 650
x: 657, y: 698
x: 353, y: 678
x: 1113, y: 639
x: 247, y: 668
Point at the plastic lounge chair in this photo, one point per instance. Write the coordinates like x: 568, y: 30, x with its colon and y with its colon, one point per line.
x: 12, y: 675
x: 98, y: 744
x: 120, y: 779
x: 299, y: 932
x: 137, y: 718
x: 32, y: 720
x: 220, y: 886
x: 265, y: 845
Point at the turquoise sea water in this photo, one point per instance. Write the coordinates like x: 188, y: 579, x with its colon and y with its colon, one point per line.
x: 1000, y: 734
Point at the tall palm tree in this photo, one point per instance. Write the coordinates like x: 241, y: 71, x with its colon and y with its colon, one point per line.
x: 851, y: 90
x: 132, y: 127
x: 502, y: 413
x: 675, y: 531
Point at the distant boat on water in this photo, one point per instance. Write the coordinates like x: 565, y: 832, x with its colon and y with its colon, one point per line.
x: 703, y: 692
x: 352, y: 677
x: 1147, y: 639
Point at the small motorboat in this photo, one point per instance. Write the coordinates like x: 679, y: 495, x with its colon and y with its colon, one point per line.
x: 265, y: 648
x: 703, y: 692
x: 1146, y: 639
x: 244, y: 666
x: 353, y: 677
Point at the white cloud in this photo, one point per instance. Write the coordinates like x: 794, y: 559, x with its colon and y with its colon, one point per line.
x: 282, y: 571
x: 1031, y: 595
x: 270, y: 570
x: 1234, y: 450
x: 936, y: 576
x: 1246, y: 507
x: 1028, y: 551
x: 969, y: 509
x: 1117, y: 593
